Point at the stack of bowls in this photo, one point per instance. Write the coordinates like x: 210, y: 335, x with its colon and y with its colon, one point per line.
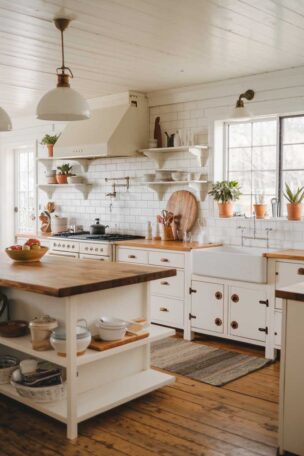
x: 111, y: 328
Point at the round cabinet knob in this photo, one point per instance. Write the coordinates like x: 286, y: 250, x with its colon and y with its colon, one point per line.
x: 234, y: 324
x: 218, y: 295
x: 301, y: 271
x: 218, y: 322
x: 235, y: 298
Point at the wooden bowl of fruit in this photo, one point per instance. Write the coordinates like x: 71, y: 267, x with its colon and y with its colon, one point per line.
x: 30, y: 251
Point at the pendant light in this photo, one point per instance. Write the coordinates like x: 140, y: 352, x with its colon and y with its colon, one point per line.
x: 240, y: 112
x: 5, y: 121
x: 63, y: 103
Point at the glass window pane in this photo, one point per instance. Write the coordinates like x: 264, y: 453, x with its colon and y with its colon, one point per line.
x: 264, y: 133
x: 239, y: 159
x: 293, y: 130
x: 264, y: 158
x: 239, y: 134
x: 264, y: 182
x: 293, y: 157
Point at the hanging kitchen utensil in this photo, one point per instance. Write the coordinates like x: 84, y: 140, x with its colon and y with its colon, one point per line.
x: 184, y: 204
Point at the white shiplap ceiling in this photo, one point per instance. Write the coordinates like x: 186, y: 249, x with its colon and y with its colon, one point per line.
x: 114, y: 45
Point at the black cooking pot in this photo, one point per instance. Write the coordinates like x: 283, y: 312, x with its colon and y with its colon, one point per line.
x: 97, y: 228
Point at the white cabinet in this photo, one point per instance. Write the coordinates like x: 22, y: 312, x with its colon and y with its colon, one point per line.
x: 170, y: 286
x: 132, y: 255
x: 247, y: 313
x: 287, y: 274
x: 167, y: 311
x: 207, y: 306
x: 277, y: 328
x: 165, y: 258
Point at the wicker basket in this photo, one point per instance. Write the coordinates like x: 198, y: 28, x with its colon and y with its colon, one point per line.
x: 7, y: 366
x: 42, y: 393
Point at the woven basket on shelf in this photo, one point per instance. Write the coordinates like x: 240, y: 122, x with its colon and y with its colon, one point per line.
x: 7, y: 366
x: 42, y: 393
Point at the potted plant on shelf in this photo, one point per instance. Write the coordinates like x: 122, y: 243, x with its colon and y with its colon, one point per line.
x: 260, y: 206
x: 225, y: 192
x: 63, y: 172
x: 294, y: 206
x: 49, y: 141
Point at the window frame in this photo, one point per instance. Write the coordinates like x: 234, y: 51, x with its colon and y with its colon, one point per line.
x: 279, y: 150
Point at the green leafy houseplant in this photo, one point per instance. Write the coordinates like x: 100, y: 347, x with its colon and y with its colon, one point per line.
x: 224, y: 192
x: 63, y: 172
x: 49, y: 139
x: 294, y: 206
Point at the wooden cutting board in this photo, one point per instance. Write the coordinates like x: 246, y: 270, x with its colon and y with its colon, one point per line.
x: 102, y: 345
x: 184, y: 204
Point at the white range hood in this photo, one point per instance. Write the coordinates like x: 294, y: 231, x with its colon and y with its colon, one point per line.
x: 116, y: 129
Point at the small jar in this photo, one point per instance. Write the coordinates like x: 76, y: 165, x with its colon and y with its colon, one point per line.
x: 41, y: 329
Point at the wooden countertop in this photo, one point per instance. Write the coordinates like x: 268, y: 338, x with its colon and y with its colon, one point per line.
x: 294, y: 292
x: 62, y: 277
x: 290, y: 254
x: 166, y: 245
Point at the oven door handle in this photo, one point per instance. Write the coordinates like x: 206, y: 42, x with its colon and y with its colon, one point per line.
x: 66, y: 254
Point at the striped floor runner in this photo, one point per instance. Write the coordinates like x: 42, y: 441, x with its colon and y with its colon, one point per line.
x: 205, y: 364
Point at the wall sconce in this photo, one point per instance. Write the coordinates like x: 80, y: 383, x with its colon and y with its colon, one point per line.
x: 240, y: 112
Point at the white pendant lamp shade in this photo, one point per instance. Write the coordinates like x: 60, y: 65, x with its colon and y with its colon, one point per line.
x: 63, y: 104
x: 5, y: 121
x: 240, y: 113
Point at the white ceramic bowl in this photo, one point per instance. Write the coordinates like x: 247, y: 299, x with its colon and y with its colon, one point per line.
x: 110, y: 332
x: 60, y: 345
x: 75, y: 179
x: 112, y: 322
x: 180, y: 176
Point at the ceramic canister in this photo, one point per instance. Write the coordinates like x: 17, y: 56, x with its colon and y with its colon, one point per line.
x: 41, y: 328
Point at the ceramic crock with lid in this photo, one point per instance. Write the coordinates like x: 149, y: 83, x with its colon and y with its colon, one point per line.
x: 41, y: 329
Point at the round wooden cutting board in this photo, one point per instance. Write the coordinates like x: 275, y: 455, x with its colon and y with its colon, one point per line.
x: 184, y: 204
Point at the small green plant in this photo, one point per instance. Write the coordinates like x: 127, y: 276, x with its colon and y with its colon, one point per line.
x: 65, y: 169
x: 225, y: 191
x: 49, y: 139
x: 294, y: 197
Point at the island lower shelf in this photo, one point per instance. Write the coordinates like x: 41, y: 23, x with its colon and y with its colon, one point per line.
x: 101, y: 399
x: 24, y: 345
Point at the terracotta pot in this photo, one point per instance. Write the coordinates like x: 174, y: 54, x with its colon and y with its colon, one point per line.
x: 294, y: 211
x: 260, y: 210
x: 61, y: 179
x: 50, y: 148
x: 225, y: 209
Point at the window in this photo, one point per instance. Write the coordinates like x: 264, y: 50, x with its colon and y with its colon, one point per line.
x: 261, y: 163
x: 25, y: 195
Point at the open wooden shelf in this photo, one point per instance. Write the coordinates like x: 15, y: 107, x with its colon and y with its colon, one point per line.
x: 161, y: 154
x: 47, y: 162
x: 23, y: 344
x: 160, y: 187
x: 49, y: 189
x: 101, y: 399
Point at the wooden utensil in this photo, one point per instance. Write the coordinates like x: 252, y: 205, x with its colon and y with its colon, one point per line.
x: 183, y: 204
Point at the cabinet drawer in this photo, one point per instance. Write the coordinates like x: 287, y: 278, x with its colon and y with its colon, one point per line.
x: 95, y: 249
x: 277, y: 328
x: 287, y: 274
x: 170, y: 286
x: 167, y: 311
x: 132, y: 256
x: 165, y: 258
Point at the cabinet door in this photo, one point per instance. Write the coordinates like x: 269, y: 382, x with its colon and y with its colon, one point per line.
x: 287, y: 274
x: 207, y: 306
x: 277, y: 328
x: 246, y: 313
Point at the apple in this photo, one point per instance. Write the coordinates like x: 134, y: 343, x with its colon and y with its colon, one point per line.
x: 15, y: 247
x: 32, y: 242
x: 34, y: 247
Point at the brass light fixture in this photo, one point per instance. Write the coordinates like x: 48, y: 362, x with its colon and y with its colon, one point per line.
x: 240, y: 112
x: 63, y: 103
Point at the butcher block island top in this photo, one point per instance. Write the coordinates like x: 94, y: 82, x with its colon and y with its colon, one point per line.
x: 293, y: 292
x: 61, y: 277
x: 290, y: 254
x: 167, y: 245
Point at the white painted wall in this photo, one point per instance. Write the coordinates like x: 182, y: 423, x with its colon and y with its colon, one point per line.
x: 195, y: 107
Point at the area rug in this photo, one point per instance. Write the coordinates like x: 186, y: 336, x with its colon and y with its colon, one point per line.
x: 206, y: 364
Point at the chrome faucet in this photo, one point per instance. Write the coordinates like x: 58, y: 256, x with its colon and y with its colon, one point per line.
x: 254, y: 237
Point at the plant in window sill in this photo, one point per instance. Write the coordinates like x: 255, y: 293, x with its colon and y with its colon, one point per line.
x: 294, y: 206
x: 225, y: 192
x: 49, y: 141
x: 63, y: 172
x: 260, y: 206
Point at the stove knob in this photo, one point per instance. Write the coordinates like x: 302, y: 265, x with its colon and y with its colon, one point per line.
x: 54, y: 244
x: 96, y: 250
x: 91, y: 249
x: 63, y: 245
x: 68, y: 246
x: 59, y: 245
x: 86, y: 248
x: 73, y: 246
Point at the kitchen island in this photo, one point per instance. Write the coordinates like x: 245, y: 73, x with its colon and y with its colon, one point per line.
x: 69, y: 290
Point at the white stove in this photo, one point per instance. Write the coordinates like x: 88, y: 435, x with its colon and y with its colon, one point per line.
x: 83, y: 245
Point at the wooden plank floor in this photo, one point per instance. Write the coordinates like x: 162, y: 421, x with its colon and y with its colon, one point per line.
x: 186, y: 418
